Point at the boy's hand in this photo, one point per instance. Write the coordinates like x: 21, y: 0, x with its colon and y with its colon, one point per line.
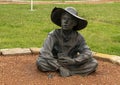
x: 66, y: 61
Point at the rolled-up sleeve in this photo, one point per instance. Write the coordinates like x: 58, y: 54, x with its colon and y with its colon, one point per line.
x: 46, y: 50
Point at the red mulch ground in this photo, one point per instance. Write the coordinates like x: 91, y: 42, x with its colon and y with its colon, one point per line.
x: 21, y: 70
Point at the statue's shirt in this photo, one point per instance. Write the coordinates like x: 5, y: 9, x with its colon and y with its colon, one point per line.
x: 67, y: 42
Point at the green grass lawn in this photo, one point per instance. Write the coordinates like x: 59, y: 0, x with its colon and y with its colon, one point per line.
x: 20, y: 27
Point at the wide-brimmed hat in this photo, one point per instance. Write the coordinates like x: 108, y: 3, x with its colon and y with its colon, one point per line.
x: 57, y: 13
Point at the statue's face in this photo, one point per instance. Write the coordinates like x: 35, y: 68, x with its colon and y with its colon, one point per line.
x: 67, y: 21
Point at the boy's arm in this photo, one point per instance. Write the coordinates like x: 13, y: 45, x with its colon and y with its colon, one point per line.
x: 46, y: 51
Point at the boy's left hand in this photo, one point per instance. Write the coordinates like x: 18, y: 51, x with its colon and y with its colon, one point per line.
x: 66, y: 61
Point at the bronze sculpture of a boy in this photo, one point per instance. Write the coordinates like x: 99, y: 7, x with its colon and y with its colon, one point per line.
x: 65, y: 50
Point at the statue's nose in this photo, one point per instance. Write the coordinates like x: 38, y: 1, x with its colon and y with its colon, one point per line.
x: 66, y: 21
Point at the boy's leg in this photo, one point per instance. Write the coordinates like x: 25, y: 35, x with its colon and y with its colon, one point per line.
x: 43, y: 65
x: 86, y: 68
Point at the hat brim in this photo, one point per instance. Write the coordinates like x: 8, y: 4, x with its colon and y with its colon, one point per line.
x: 56, y: 18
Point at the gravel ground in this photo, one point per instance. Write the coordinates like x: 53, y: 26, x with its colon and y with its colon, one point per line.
x: 21, y: 70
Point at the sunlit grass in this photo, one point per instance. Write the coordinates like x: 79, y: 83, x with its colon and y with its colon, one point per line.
x: 20, y: 27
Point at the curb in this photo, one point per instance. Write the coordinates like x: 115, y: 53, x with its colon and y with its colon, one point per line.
x: 15, y: 51
x: 34, y: 50
x: 111, y: 58
x: 19, y: 51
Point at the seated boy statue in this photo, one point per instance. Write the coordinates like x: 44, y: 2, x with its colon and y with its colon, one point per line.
x: 65, y: 49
